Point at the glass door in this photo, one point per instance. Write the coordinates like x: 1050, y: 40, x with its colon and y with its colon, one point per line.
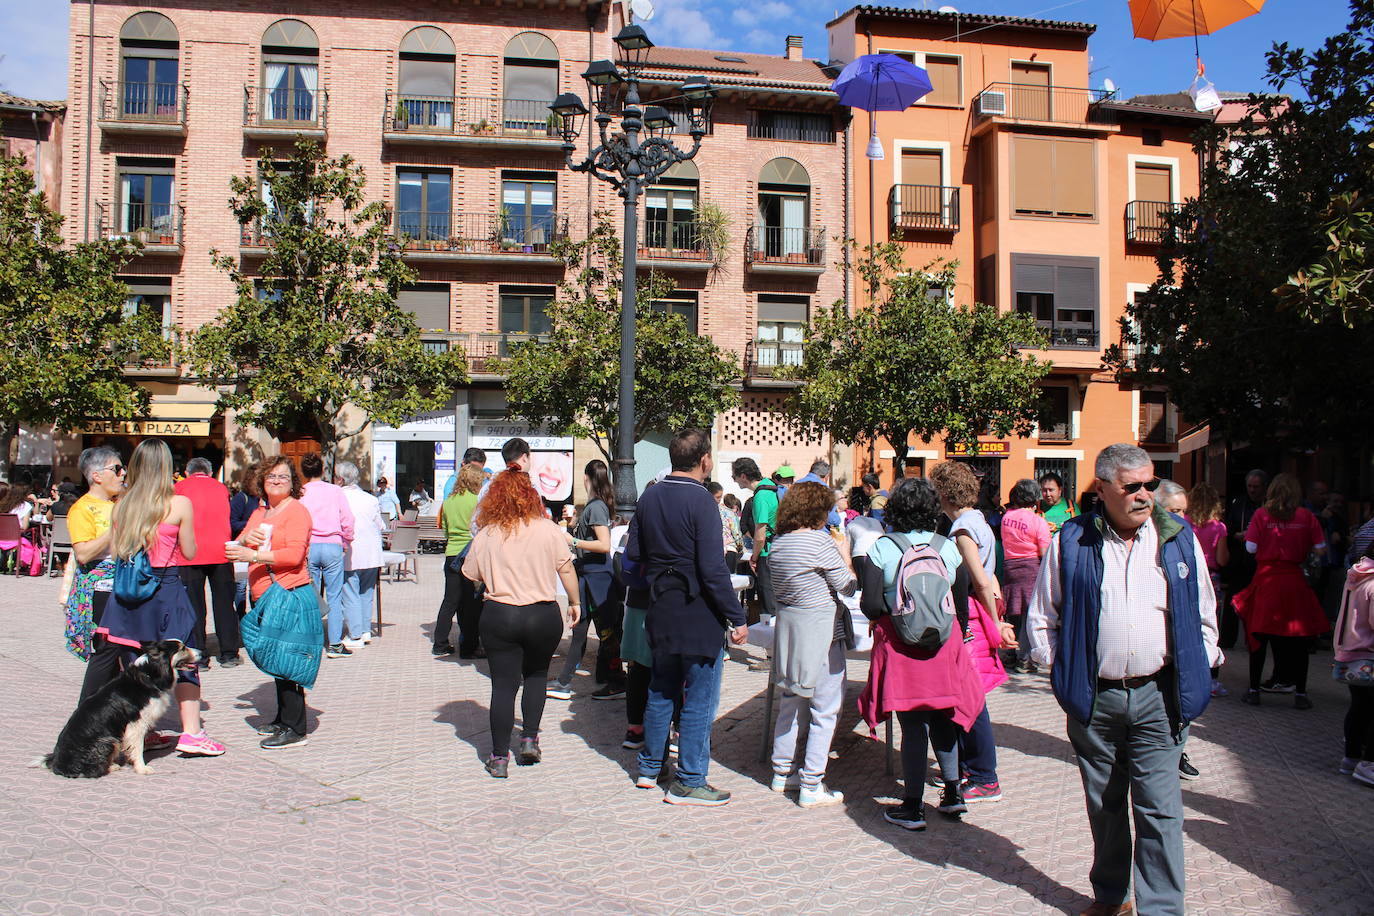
x: 527, y: 217
x: 145, y: 203
x: 149, y: 88
x: 289, y: 92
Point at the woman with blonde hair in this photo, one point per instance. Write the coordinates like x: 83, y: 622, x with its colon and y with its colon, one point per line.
x: 519, y: 556
x: 1278, y: 606
x: 150, y: 517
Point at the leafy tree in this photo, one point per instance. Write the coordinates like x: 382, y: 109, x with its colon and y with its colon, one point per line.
x: 316, y: 331
x: 914, y: 363
x: 569, y: 379
x: 63, y: 313
x: 1260, y: 322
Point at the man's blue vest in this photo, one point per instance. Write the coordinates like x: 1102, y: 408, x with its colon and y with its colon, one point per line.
x: 1074, y: 675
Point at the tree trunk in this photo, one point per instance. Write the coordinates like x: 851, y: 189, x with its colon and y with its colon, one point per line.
x: 9, y: 430
x: 899, y: 450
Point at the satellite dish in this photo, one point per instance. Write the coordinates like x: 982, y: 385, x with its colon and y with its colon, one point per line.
x: 948, y: 9
x: 642, y: 10
x: 1108, y: 85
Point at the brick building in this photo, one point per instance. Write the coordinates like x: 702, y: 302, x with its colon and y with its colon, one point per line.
x: 444, y: 104
x: 1049, y: 194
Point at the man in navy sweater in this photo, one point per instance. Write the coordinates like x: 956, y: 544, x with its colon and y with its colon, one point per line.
x: 676, y: 549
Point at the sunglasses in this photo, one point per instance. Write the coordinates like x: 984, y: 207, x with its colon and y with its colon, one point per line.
x: 1148, y: 485
x: 117, y: 468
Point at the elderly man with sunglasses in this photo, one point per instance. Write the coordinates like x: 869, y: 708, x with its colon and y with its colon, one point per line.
x: 1125, y: 614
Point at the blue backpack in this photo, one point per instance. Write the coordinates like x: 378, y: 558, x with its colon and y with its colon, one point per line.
x: 134, y: 579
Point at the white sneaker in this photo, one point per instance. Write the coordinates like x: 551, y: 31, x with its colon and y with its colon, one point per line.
x: 359, y: 642
x: 782, y: 782
x: 1347, y: 765
x: 815, y: 796
x: 1364, y: 772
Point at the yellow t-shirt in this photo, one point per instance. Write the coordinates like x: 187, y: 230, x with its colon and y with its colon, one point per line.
x: 89, y: 518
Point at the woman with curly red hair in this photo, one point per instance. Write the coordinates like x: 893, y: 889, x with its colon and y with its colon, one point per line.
x: 519, y: 556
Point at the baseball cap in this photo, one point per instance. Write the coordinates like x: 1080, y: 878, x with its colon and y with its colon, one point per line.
x: 786, y: 471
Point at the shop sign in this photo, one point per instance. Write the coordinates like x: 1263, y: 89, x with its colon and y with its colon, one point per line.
x: 493, y: 435
x: 1000, y: 449
x: 146, y: 428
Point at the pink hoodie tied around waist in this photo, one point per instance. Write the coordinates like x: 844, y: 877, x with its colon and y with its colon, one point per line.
x: 1354, y: 636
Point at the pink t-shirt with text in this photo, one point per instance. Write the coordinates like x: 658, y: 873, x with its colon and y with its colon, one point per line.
x: 1289, y: 541
x: 1025, y: 535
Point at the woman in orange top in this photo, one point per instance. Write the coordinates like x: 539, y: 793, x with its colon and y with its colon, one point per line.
x: 280, y: 550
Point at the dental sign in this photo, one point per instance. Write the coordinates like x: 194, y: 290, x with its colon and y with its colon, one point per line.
x: 494, y: 435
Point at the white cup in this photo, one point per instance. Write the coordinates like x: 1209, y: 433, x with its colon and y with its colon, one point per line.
x: 265, y: 528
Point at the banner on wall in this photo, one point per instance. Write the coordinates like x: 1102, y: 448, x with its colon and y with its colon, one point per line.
x: 444, y: 467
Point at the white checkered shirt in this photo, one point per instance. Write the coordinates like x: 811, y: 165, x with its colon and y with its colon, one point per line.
x: 1133, y: 626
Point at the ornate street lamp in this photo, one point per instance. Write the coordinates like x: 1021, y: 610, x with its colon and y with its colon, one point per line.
x: 630, y: 160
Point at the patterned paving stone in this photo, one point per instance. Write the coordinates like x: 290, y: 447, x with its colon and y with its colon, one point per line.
x: 389, y: 811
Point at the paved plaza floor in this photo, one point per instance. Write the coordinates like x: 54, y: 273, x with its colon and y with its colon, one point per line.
x: 388, y: 809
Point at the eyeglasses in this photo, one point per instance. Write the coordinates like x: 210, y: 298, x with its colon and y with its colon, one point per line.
x: 1149, y: 485
x: 117, y: 468
x: 278, y: 478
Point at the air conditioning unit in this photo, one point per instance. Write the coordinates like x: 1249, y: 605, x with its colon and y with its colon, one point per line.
x: 992, y: 102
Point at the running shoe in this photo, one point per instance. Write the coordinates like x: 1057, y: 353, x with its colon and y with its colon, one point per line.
x: 982, y: 792
x: 199, y: 745
x: 952, y: 801
x: 558, y: 691
x: 441, y: 651
x: 283, y: 739
x: 910, y: 814
x: 338, y: 650
x: 1272, y: 686
x: 634, y: 740
x: 1218, y: 690
x: 498, y: 767
x: 818, y: 795
x: 646, y: 781
x: 610, y: 692
x: 1347, y: 765
x: 1364, y: 772
x: 529, y: 752
x: 782, y: 782
x: 156, y: 741
x: 701, y: 796
x: 1185, y: 769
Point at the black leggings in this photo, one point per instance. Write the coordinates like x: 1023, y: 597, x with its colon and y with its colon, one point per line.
x: 104, y: 664
x: 1290, y: 660
x: 460, y: 598
x: 1359, y: 724
x: 291, y: 705
x: 520, y: 640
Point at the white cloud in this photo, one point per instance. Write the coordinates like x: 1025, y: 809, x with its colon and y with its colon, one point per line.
x: 685, y: 24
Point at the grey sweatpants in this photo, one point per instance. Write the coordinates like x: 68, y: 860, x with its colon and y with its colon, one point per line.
x: 822, y: 708
x: 1129, y: 747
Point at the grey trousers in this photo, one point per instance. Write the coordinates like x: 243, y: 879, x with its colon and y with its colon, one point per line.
x: 822, y: 708
x: 1129, y: 747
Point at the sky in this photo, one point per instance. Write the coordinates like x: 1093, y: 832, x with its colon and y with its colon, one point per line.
x: 33, y: 49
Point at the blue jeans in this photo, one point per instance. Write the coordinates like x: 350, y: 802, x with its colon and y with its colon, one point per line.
x: 978, y: 750
x: 326, y: 564
x: 695, y: 681
x: 358, y: 588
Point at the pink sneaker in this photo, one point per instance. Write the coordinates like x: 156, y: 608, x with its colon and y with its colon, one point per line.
x: 156, y: 741
x: 201, y: 745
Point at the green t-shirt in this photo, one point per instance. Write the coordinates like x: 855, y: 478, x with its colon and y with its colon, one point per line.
x: 766, y: 512
x: 1060, y: 513
x: 458, y: 510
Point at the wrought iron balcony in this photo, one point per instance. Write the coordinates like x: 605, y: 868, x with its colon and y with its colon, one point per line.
x: 469, y: 119
x: 1063, y: 337
x: 478, y: 236
x: 1030, y: 102
x: 1060, y: 431
x: 924, y: 207
x: 269, y: 111
x: 767, y: 359
x: 673, y: 240
x: 157, y: 226
x: 146, y: 108
x: 785, y: 249
x: 1147, y: 221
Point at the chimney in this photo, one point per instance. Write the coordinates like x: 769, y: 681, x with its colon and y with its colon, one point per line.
x: 794, y: 47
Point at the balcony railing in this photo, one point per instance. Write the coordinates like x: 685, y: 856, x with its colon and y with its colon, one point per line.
x: 1068, y: 338
x: 673, y: 240
x: 479, y: 233
x: 764, y: 358
x: 157, y: 226
x: 785, y: 245
x: 762, y: 127
x: 1029, y: 102
x: 924, y: 206
x: 1161, y: 433
x: 1147, y: 221
x: 143, y: 103
x: 265, y: 107
x: 1061, y: 431
x: 473, y: 116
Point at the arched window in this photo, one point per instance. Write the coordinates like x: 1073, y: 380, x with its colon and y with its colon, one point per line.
x: 149, y: 55
x: 670, y: 212
x: 290, y: 73
x: 426, y: 78
x: 783, y: 208
x: 529, y: 80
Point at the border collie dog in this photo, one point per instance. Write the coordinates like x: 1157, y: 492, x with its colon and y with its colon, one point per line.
x: 112, y: 723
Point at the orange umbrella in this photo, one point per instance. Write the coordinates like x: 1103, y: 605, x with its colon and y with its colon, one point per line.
x: 1159, y: 19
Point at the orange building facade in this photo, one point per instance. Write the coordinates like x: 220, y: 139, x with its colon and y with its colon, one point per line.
x: 1051, y: 198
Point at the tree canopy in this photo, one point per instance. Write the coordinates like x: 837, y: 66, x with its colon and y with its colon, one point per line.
x: 569, y: 378
x: 63, y: 310
x: 915, y: 363
x: 316, y: 328
x: 1260, y: 320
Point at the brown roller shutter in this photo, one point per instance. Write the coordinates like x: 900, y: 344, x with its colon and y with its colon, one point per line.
x: 428, y: 302
x: 1033, y: 175
x: 1154, y: 182
x: 921, y: 167
x: 1075, y: 178
x: 946, y: 88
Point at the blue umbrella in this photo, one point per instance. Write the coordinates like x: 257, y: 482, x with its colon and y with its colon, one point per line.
x: 880, y: 82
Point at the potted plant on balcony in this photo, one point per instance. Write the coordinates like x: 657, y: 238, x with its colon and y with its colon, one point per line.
x: 553, y: 126
x: 455, y: 243
x: 482, y: 128
x: 400, y: 118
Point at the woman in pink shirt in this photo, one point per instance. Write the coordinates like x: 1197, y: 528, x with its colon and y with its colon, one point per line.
x: 331, y: 531
x: 1025, y: 538
x: 1204, y: 513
